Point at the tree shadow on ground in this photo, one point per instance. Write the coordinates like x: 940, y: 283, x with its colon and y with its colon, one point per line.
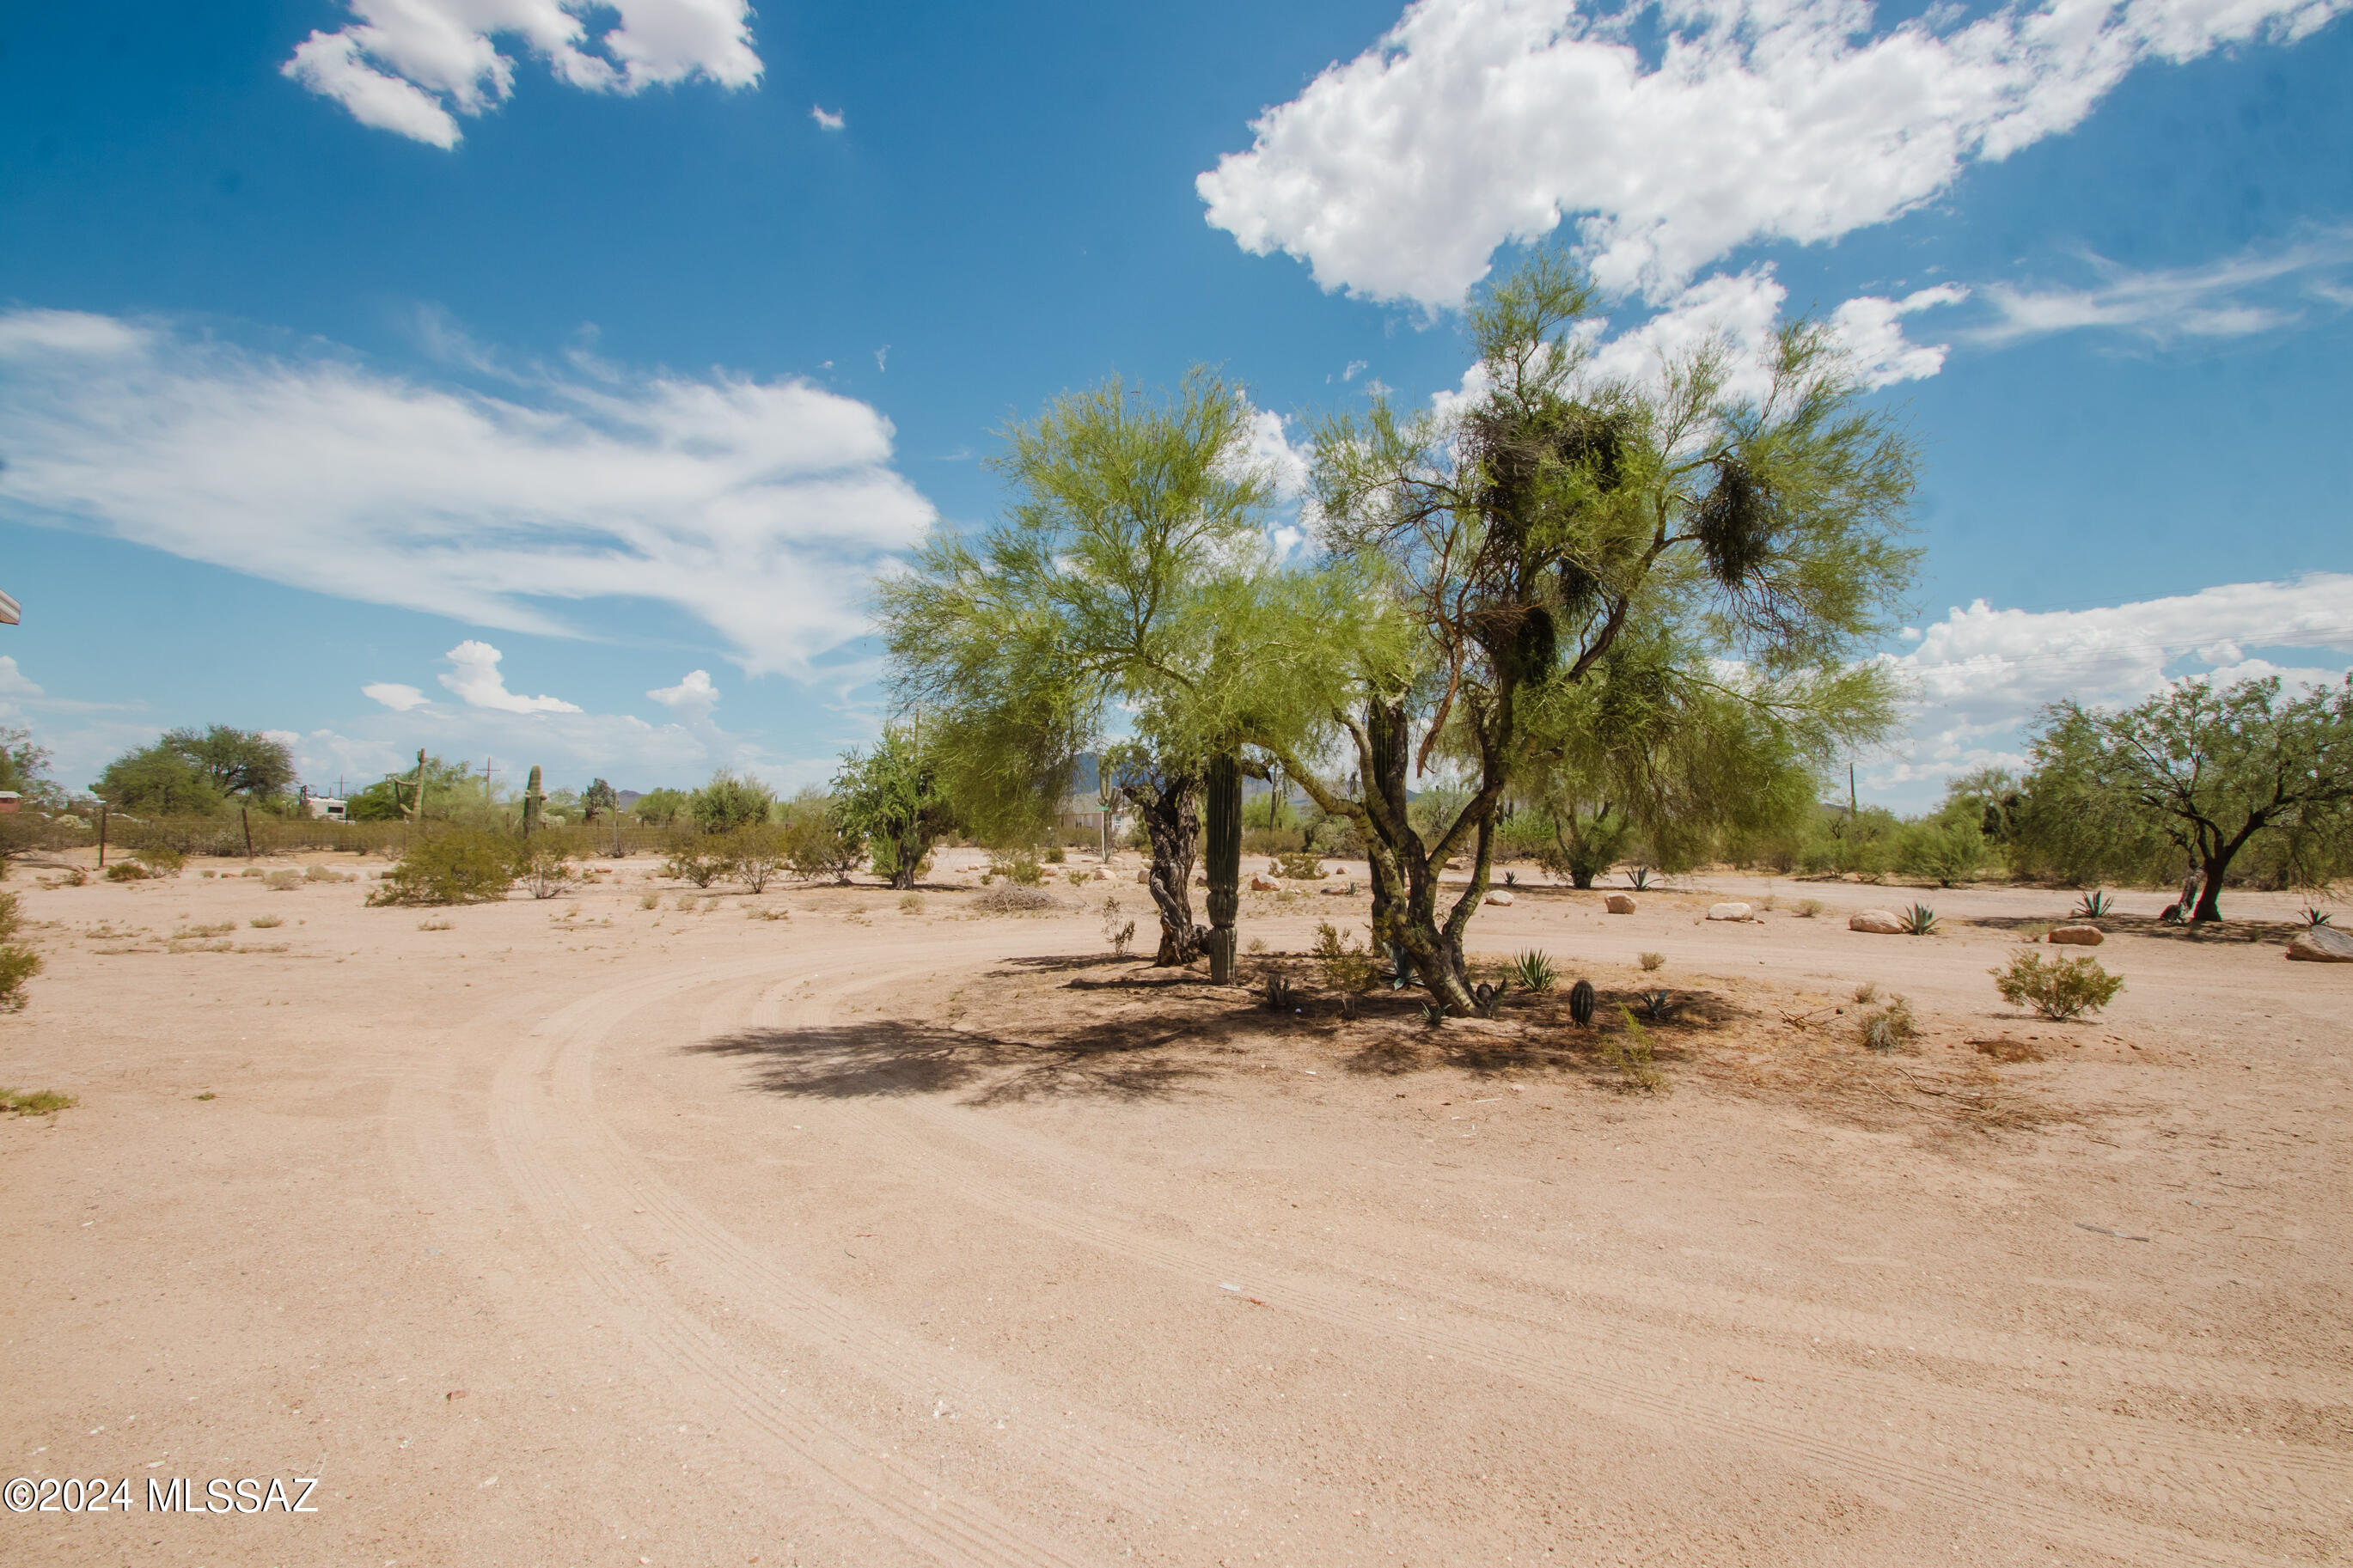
x: 2276, y: 932
x: 1116, y: 1060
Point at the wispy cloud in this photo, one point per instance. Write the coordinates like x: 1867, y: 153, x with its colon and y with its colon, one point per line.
x: 2255, y: 291
x: 826, y: 119
x: 760, y: 508
x: 393, y: 695
x: 412, y: 66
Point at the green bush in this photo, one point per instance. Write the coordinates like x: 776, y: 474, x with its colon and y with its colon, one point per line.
x: 1017, y: 867
x: 460, y: 865
x: 757, y: 855
x: 1302, y: 867
x: 1054, y: 856
x: 17, y: 965
x: 161, y: 859
x: 126, y: 871
x: 2059, y: 988
x: 545, y: 865
x: 699, y: 862
x: 1347, y: 967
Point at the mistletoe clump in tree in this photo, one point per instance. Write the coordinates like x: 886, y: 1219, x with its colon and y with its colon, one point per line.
x: 1497, y: 572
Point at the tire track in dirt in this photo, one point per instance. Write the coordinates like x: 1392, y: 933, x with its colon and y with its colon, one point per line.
x: 1622, y: 1379
x: 554, y: 1157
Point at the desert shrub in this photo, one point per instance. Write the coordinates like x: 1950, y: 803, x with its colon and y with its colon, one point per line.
x: 910, y: 903
x: 461, y: 865
x: 17, y: 964
x: 699, y: 862
x: 1946, y: 852
x: 1632, y: 1052
x: 1114, y: 932
x: 36, y: 1102
x: 437, y: 925
x: 1015, y: 900
x: 1653, y: 961
x: 327, y: 874
x: 75, y: 877
x: 1017, y: 867
x: 283, y: 881
x: 545, y: 865
x: 1054, y: 856
x: 1534, y: 971
x: 1346, y: 966
x: 815, y: 846
x: 2058, y: 988
x: 267, y: 922
x: 759, y: 913
x: 1807, y: 909
x: 1867, y: 992
x: 1301, y: 866
x: 758, y: 855
x: 161, y: 859
x: 126, y: 871
x: 1885, y: 1028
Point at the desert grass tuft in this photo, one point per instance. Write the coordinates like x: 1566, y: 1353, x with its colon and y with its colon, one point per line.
x: 1632, y: 1052
x: 1654, y: 961
x: 36, y: 1102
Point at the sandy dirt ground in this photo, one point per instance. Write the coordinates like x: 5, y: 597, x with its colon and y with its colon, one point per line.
x: 579, y: 1232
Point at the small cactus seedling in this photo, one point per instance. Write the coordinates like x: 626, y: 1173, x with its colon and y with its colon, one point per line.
x: 1580, y: 1003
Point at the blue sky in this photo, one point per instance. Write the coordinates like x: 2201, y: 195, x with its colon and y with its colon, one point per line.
x: 516, y: 368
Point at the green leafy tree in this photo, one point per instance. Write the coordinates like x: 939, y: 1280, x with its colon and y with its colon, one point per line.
x: 2209, y: 771
x: 891, y: 798
x: 159, y: 780
x: 25, y: 768
x: 815, y: 842
x: 659, y: 808
x: 1480, y: 559
x: 598, y: 799
x: 1113, y: 590
x: 244, y: 763
x: 730, y: 801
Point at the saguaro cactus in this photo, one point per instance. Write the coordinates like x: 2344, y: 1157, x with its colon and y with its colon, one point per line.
x: 532, y: 800
x: 1222, y: 834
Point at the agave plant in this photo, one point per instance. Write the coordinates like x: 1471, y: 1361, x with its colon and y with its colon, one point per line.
x: 1278, y: 994
x: 1639, y: 879
x: 1657, y: 1004
x: 2313, y: 915
x: 1580, y: 1003
x: 1511, y: 879
x: 2094, y: 905
x: 1486, y: 996
x: 1919, y: 921
x: 1432, y: 1014
x: 1534, y: 971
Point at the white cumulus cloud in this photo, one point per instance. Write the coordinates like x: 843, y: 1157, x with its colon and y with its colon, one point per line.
x: 1980, y: 675
x: 1671, y: 134
x: 475, y: 677
x: 761, y: 507
x: 826, y: 119
x: 393, y: 695
x: 411, y: 67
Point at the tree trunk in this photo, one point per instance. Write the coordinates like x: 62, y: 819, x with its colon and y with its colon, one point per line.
x: 1223, y: 793
x: 1172, y: 822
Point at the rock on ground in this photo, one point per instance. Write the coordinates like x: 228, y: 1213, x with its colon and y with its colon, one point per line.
x: 2081, y: 936
x: 1730, y: 912
x: 1500, y: 898
x: 1879, y: 923
x: 1619, y: 904
x: 2322, y: 945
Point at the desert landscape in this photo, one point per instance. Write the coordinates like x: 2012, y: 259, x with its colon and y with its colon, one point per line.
x: 841, y: 1225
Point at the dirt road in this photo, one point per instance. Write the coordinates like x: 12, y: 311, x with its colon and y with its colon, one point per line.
x: 584, y: 1233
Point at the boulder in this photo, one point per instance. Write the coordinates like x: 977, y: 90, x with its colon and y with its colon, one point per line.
x: 1879, y: 923
x: 1619, y: 904
x: 1345, y: 892
x: 1263, y: 884
x: 1730, y: 912
x: 2079, y: 936
x: 2322, y: 945
x: 1500, y: 897
x: 1144, y: 875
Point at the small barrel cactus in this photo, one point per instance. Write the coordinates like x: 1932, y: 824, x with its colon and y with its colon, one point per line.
x: 1580, y: 1003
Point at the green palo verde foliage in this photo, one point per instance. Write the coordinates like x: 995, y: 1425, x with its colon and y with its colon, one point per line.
x: 2059, y: 988
x: 1117, y: 583
x: 730, y: 802
x: 2198, y: 773
x: 1558, y: 532
x: 892, y: 797
x: 18, y: 964
x: 452, y: 865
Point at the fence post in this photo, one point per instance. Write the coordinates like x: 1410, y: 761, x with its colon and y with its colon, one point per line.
x: 102, y: 838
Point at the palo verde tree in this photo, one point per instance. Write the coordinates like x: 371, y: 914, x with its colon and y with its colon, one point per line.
x: 189, y: 771
x: 890, y: 796
x: 1117, y: 582
x: 1479, y: 559
x: 2209, y: 771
